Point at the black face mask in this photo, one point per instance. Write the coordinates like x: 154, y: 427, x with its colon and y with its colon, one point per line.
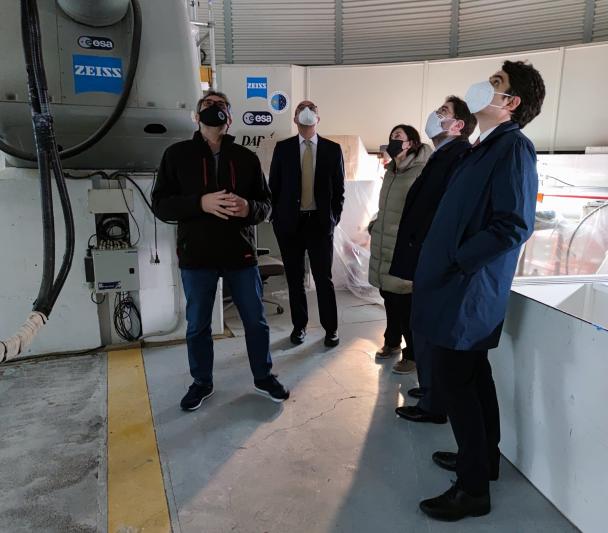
x: 213, y: 116
x: 394, y: 148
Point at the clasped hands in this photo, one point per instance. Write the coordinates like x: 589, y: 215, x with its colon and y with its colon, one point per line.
x: 224, y: 205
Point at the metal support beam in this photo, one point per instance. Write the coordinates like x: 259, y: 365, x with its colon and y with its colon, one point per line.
x: 339, y: 13
x: 588, y: 21
x: 454, y: 28
x: 228, y: 31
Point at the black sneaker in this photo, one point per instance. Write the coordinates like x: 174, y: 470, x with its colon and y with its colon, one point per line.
x: 271, y: 387
x: 195, y: 396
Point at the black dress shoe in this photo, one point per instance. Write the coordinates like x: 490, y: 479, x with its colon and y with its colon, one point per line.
x: 415, y: 393
x: 297, y: 335
x: 415, y: 414
x: 447, y: 461
x: 331, y: 339
x: 455, y: 504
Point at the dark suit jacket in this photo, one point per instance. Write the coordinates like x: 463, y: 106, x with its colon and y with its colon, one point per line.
x: 468, y: 260
x: 421, y: 204
x: 286, y: 184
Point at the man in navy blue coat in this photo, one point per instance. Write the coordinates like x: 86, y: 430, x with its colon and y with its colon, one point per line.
x: 464, y: 275
x: 449, y: 127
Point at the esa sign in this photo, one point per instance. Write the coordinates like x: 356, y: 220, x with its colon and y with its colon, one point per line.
x: 257, y: 118
x: 95, y: 43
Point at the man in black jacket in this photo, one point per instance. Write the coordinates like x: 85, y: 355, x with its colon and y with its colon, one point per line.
x: 307, y: 183
x: 216, y: 191
x: 449, y: 128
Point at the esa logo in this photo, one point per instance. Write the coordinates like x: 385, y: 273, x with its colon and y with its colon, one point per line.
x: 257, y: 88
x: 95, y: 43
x: 257, y: 118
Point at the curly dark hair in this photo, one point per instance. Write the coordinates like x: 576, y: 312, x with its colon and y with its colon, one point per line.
x: 527, y: 83
x: 461, y: 112
x: 412, y: 135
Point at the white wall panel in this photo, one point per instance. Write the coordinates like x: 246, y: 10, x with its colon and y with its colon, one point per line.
x: 583, y: 115
x: 367, y: 101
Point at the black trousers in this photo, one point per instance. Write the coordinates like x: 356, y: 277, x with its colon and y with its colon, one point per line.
x: 398, y: 313
x: 432, y: 400
x: 465, y: 378
x: 311, y: 237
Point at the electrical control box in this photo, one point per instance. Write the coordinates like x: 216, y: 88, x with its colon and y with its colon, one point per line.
x: 113, y: 270
x: 116, y: 200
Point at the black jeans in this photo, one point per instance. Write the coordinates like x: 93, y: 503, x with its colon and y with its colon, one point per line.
x: 313, y: 238
x: 465, y: 378
x: 398, y: 312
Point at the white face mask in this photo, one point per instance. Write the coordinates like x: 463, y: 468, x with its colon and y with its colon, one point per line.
x: 480, y: 95
x: 433, y: 125
x: 307, y: 117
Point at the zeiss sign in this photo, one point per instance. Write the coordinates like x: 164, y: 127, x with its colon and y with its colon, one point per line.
x: 257, y: 118
x: 97, y: 74
x: 257, y: 88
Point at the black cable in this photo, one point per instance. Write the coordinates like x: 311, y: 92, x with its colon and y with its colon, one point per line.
x: 117, y: 175
x: 587, y: 217
x: 561, y: 181
x: 156, y: 259
x: 109, y: 123
x: 94, y: 298
x: 42, y: 125
x: 130, y: 213
x: 125, y: 310
x: 68, y: 219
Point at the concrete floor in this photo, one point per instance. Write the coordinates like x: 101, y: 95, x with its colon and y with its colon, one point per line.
x: 334, y: 458
x: 52, y: 446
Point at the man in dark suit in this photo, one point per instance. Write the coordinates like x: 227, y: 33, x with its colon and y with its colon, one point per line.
x: 464, y: 275
x: 307, y: 184
x: 449, y: 128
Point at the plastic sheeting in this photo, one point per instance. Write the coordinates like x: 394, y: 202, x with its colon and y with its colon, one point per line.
x: 352, y: 240
x: 563, y: 244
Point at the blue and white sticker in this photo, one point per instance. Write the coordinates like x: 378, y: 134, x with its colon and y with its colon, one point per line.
x: 97, y: 74
x: 278, y: 102
x: 257, y: 87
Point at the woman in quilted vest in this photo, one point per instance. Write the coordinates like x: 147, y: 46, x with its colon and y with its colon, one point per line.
x: 409, y: 155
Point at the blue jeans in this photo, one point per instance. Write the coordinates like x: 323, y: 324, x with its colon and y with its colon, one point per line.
x: 246, y: 288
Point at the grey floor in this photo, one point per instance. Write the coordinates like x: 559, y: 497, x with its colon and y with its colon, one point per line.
x: 53, y: 446
x: 334, y: 458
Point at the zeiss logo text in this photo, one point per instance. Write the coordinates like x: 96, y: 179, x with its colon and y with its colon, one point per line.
x: 100, y: 72
x: 97, y: 74
x: 257, y: 118
x: 257, y: 88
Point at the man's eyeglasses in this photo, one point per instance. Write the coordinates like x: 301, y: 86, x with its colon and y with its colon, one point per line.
x: 313, y: 108
x: 220, y: 103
